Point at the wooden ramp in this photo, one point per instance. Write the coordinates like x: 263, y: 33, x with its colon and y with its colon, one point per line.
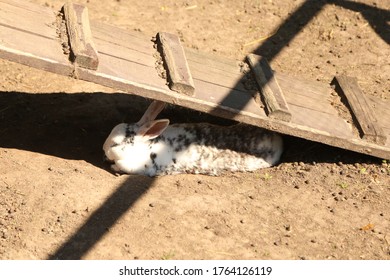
x: 161, y: 69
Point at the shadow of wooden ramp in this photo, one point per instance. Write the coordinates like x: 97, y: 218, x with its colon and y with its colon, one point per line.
x: 249, y: 92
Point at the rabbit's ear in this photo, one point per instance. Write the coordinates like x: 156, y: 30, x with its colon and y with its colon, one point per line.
x: 151, y: 113
x: 153, y: 129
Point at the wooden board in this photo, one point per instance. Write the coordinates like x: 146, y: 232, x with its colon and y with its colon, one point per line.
x: 28, y: 35
x: 272, y: 94
x: 365, y: 116
x: 179, y: 74
x: 80, y: 36
x: 126, y: 62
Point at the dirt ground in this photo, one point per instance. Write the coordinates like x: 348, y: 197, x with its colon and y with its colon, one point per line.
x: 59, y: 200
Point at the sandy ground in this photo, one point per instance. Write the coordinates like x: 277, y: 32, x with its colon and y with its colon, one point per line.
x: 59, y: 200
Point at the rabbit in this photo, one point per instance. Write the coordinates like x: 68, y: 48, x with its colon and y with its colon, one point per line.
x: 153, y: 147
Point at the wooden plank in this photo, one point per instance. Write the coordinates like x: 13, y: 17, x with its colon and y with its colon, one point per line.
x: 213, y: 61
x: 315, y: 90
x: 27, y: 6
x: 331, y: 124
x: 304, y: 93
x: 127, y: 46
x: 80, y: 36
x: 270, y: 89
x: 9, y: 17
x: 126, y: 71
x: 28, y: 35
x: 297, y: 92
x: 364, y: 114
x: 131, y: 40
x: 180, y: 78
x: 381, y: 107
x: 26, y: 49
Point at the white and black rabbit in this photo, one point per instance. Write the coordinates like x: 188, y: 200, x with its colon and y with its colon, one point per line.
x: 153, y: 147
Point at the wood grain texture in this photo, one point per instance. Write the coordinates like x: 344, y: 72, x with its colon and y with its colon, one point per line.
x: 80, y: 36
x: 180, y: 78
x: 361, y: 109
x: 269, y: 87
x: 28, y: 35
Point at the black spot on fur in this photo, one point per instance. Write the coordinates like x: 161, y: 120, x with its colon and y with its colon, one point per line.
x: 153, y: 156
x: 129, y: 132
x: 181, y: 138
x: 178, y: 148
x: 171, y: 141
x: 129, y: 135
x: 157, y: 139
x: 174, y: 160
x: 180, y: 142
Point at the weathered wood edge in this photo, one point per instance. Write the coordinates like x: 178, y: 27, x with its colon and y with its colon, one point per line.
x: 179, y: 75
x: 360, y: 107
x: 272, y: 94
x: 80, y: 36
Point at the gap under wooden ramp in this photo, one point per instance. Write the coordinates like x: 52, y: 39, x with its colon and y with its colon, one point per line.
x: 248, y: 91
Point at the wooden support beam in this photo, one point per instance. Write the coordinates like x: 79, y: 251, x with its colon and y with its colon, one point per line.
x: 179, y: 75
x: 272, y: 94
x: 80, y: 36
x: 360, y: 107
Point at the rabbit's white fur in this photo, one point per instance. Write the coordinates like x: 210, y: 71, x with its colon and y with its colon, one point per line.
x: 153, y: 147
